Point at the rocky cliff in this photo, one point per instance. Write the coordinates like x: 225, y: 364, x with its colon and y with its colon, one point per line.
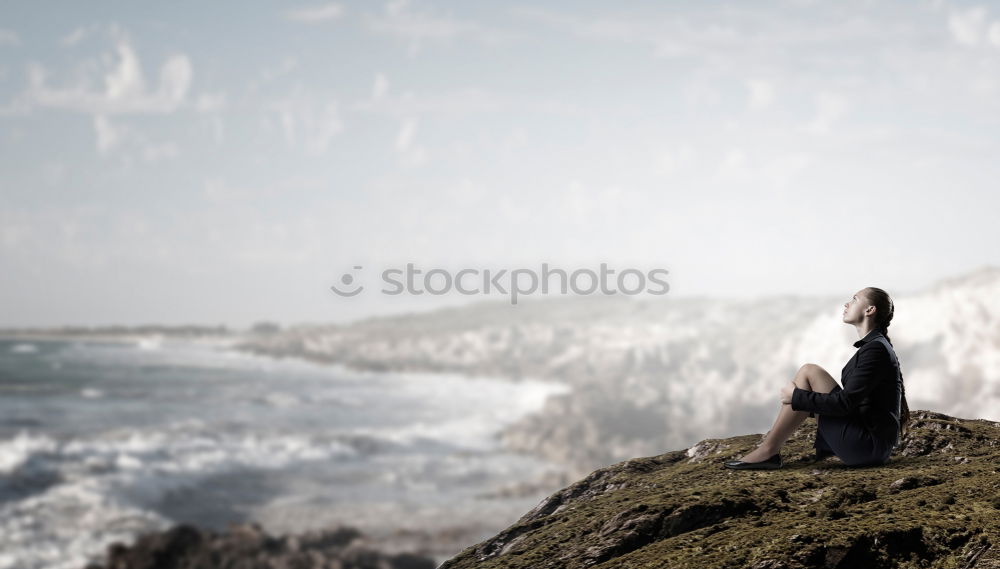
x: 934, y: 505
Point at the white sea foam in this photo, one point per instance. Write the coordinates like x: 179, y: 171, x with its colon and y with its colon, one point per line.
x: 150, y: 343
x: 91, y: 393
x: 494, y: 406
x: 15, y: 452
x: 278, y: 399
x: 102, y: 489
x: 24, y: 348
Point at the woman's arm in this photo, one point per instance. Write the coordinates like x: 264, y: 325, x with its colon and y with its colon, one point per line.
x: 873, y: 365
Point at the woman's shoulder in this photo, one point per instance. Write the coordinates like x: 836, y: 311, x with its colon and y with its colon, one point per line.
x: 879, y: 345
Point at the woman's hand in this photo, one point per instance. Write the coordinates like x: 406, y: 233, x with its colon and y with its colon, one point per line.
x: 786, y: 392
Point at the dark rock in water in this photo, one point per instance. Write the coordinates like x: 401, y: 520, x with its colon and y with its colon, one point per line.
x: 935, y: 504
x: 249, y: 547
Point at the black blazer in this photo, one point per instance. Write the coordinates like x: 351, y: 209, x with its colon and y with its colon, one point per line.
x: 872, y: 388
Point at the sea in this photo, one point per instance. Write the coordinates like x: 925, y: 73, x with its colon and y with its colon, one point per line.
x: 101, y: 441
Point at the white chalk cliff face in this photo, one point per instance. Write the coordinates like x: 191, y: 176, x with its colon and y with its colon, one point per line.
x: 663, y: 373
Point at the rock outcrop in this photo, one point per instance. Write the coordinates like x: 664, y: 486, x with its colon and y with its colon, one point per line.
x: 934, y: 505
x: 249, y: 547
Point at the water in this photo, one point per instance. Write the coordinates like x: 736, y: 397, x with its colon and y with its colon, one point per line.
x: 102, y: 441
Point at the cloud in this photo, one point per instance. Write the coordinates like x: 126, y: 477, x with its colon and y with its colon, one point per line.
x: 966, y: 27
x: 80, y: 33
x: 308, y: 121
x: 209, y: 102
x: 16, y: 108
x: 400, y: 22
x: 994, y: 34
x: 735, y: 165
x: 222, y: 191
x: 830, y: 107
x: 761, y: 93
x: 270, y: 74
x: 9, y: 37
x: 316, y: 14
x: 458, y: 102
x: 410, y: 154
x: 63, y: 233
x: 404, y: 138
x: 781, y: 170
x: 381, y: 86
x: 218, y: 191
x: 74, y: 37
x: 726, y: 37
x: 111, y: 138
x: 124, y: 86
x: 108, y: 135
x: 671, y: 160
x: 698, y: 93
x: 175, y: 77
x: 670, y: 37
x: 158, y: 152
x: 764, y: 168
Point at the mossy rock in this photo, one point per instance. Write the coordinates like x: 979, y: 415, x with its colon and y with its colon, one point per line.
x: 935, y: 504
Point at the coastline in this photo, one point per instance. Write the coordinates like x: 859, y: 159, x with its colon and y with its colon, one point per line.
x: 440, y: 542
x: 224, y: 341
x: 249, y: 344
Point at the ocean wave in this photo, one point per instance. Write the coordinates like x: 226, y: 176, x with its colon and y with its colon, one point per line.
x: 63, y: 501
x: 203, y: 435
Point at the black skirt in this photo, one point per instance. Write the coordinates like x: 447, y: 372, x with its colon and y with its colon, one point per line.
x: 852, y: 442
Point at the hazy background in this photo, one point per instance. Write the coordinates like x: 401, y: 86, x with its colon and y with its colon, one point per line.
x: 227, y: 162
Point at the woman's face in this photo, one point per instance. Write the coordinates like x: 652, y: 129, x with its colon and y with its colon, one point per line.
x: 854, y: 309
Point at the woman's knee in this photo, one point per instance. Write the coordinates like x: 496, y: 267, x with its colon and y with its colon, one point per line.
x: 805, y: 371
x: 816, y: 378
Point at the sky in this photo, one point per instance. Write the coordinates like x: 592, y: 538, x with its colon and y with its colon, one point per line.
x: 226, y: 163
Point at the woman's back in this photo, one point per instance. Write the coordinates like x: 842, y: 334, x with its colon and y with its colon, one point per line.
x: 880, y: 412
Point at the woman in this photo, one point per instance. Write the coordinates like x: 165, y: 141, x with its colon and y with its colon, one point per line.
x: 859, y: 423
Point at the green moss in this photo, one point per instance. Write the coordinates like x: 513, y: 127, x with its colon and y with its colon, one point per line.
x: 933, y: 505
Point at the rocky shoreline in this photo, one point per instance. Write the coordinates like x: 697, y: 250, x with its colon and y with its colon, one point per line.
x: 248, y: 546
x: 934, y: 505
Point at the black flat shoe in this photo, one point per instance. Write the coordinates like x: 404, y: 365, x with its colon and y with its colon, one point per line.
x: 772, y: 463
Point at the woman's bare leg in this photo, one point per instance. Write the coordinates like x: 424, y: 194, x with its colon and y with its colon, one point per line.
x: 811, y: 377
